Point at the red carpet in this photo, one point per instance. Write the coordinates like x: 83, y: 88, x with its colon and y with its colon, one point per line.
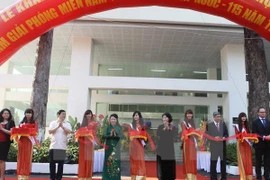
x: 100, y: 179
x: 150, y: 172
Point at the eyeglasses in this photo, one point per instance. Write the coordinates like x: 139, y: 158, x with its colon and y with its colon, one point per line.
x: 261, y: 112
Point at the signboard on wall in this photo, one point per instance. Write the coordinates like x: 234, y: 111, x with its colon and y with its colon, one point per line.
x: 235, y: 120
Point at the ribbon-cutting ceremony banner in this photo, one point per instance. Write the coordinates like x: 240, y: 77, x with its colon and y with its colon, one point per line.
x: 26, y: 20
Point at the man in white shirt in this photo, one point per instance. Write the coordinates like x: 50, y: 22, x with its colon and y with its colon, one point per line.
x: 58, y: 130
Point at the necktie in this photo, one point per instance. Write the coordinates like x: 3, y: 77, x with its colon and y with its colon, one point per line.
x: 264, y: 123
x: 218, y: 127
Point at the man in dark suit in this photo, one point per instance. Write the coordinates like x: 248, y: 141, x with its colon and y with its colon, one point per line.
x: 218, y: 130
x: 261, y: 126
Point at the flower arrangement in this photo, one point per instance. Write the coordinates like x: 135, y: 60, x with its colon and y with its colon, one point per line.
x: 201, y: 144
x: 103, y: 120
x: 101, y: 117
x: 125, y: 140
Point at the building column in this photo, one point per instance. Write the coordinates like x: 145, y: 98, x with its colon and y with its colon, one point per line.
x: 94, y: 92
x: 234, y: 70
x: 3, y: 70
x: 212, y: 75
x: 94, y: 101
x: 81, y: 67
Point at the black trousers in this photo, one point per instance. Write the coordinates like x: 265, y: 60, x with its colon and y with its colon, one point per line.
x: 166, y: 169
x: 215, y: 154
x: 57, y: 156
x: 262, y: 154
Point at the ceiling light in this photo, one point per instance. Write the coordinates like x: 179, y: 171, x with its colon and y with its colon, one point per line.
x: 27, y: 66
x: 199, y: 72
x: 115, y: 69
x: 158, y: 70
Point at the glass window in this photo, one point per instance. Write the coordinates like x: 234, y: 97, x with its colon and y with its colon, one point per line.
x: 125, y: 108
x: 143, y: 108
x: 151, y: 70
x: 23, y: 61
x: 153, y: 112
x: 179, y: 109
x: 200, y: 94
x: 114, y: 107
x: 152, y: 108
x: 133, y: 108
x: 201, y: 110
x: 161, y: 108
x: 17, y: 109
x: 220, y: 109
x: 151, y: 93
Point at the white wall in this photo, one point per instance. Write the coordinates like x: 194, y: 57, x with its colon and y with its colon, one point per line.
x: 25, y: 96
x: 4, y: 4
x: 234, y: 70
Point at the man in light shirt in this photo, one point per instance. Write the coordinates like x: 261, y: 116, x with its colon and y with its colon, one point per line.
x: 58, y: 130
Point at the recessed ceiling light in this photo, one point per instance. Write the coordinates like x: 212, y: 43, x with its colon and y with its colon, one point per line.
x: 115, y: 69
x: 199, y: 72
x: 158, y: 70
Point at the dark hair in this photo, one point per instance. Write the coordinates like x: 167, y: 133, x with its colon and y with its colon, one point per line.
x: 242, y: 114
x: 168, y: 115
x: 116, y: 117
x: 85, y: 121
x: 30, y: 111
x: 60, y: 111
x: 140, y: 120
x: 2, y: 112
x: 216, y: 113
x: 260, y: 109
x: 189, y: 111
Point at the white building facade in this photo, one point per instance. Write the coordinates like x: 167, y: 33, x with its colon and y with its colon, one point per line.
x: 150, y: 59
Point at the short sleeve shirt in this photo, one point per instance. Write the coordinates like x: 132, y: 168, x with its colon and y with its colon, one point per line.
x: 59, y: 138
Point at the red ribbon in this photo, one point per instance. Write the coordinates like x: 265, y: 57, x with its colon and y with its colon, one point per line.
x: 191, y: 132
x: 240, y: 136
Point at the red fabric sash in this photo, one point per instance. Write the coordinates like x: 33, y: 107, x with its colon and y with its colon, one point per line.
x: 90, y: 134
x: 84, y: 132
x: 24, y: 130
x: 134, y: 134
x: 137, y: 134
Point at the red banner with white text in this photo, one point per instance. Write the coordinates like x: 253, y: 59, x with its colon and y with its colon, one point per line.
x: 26, y: 20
